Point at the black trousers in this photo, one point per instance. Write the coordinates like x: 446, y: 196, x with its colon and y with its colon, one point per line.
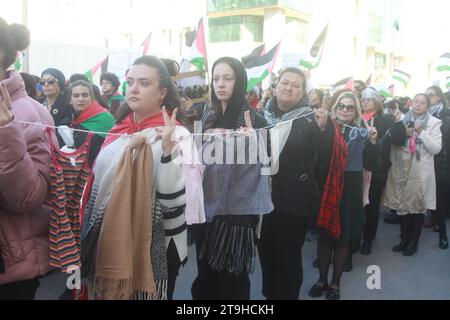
x: 173, y: 266
x: 20, y: 290
x: 280, y: 253
x: 216, y: 285
x: 372, y: 210
x: 442, y: 206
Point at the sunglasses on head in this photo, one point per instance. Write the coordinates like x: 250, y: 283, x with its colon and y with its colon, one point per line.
x: 50, y: 82
x: 341, y: 107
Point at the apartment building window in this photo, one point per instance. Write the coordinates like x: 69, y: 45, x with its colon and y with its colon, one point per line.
x: 227, y: 5
x: 304, y: 6
x: 254, y: 24
x: 227, y: 29
x: 380, y: 60
x: 224, y: 29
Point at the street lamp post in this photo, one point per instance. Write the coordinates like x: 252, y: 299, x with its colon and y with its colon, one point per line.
x: 26, y: 58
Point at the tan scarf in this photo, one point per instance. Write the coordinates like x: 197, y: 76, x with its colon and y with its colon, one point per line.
x: 123, y: 263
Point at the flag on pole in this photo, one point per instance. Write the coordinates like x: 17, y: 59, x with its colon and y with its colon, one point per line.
x: 344, y: 84
x: 312, y: 59
x: 102, y: 64
x: 146, y: 44
x: 369, y: 81
x: 257, y: 52
x: 401, y: 77
x: 387, y: 93
x: 318, y: 44
x: 443, y: 64
x: 259, y: 67
x: 196, y: 54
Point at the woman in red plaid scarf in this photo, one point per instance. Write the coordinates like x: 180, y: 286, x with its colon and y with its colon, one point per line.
x: 363, y: 152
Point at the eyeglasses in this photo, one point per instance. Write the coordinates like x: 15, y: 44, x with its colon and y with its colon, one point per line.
x: 342, y: 107
x: 50, y: 82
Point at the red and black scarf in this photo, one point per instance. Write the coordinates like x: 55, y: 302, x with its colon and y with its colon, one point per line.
x: 329, y: 217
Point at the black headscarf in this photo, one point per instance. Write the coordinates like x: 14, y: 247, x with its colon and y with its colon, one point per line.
x: 58, y: 75
x: 237, y: 100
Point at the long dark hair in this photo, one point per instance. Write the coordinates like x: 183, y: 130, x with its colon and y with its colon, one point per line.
x: 441, y: 95
x: 237, y: 101
x: 171, y: 100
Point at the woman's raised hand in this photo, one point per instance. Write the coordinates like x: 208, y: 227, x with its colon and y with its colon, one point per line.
x: 165, y: 133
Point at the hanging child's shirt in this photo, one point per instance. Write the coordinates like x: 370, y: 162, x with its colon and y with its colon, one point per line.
x: 68, y: 177
x: 236, y: 184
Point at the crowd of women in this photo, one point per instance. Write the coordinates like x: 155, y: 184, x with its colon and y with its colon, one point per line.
x: 338, y: 161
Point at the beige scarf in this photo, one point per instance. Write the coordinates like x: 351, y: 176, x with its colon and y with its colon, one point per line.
x: 123, y: 263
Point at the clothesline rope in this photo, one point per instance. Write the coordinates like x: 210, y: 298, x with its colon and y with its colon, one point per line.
x: 193, y: 134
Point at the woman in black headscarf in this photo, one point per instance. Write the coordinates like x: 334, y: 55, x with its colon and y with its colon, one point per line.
x: 220, y: 274
x: 57, y: 103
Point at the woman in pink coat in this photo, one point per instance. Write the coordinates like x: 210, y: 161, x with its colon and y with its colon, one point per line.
x: 24, y: 175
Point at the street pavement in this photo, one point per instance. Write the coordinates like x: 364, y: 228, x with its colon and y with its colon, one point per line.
x: 426, y: 275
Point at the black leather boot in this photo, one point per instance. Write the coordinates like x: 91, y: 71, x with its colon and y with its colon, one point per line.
x: 404, y: 234
x: 417, y: 225
x: 410, y: 249
x: 366, y: 248
x: 443, y: 241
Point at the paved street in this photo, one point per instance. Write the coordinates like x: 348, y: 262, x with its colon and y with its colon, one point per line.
x: 426, y: 275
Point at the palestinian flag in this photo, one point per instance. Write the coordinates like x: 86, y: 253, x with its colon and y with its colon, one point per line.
x: 146, y: 44
x: 312, y: 60
x: 196, y: 54
x: 344, y: 84
x: 401, y: 77
x: 318, y: 44
x: 259, y: 67
x: 257, y: 52
x: 443, y: 64
x: 95, y: 118
x: 389, y: 92
x: 102, y: 64
x: 18, y: 62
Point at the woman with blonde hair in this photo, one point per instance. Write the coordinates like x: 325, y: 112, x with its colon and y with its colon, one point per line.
x: 362, y: 151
